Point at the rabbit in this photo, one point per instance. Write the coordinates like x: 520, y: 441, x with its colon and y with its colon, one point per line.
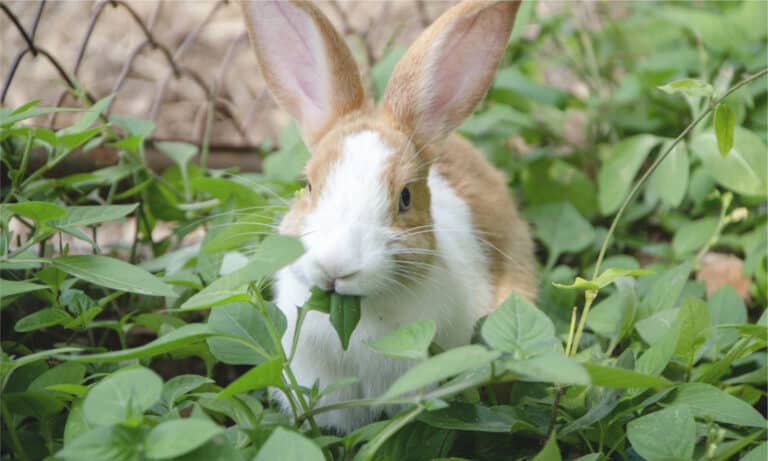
x: 397, y: 209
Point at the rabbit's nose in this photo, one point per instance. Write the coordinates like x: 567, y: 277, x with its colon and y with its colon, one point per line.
x: 335, y: 273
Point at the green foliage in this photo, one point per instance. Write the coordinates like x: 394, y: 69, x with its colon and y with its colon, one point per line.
x: 166, y: 350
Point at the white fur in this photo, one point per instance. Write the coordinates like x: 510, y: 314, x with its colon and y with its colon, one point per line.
x: 347, y: 232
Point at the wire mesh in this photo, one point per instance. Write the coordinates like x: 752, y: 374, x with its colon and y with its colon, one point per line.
x: 187, y: 66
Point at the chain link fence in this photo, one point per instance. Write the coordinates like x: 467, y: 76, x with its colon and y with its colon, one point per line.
x: 187, y: 66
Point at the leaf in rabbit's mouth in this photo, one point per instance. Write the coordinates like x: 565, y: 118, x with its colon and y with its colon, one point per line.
x: 343, y: 310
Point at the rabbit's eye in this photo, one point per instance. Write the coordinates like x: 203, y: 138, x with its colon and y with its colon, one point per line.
x: 405, y: 200
x: 309, y: 188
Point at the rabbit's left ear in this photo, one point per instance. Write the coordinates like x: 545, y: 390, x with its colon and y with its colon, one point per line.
x: 447, y: 71
x: 305, y: 62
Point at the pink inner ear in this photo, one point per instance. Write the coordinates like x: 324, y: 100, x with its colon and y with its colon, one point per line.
x: 461, y: 64
x: 293, y: 51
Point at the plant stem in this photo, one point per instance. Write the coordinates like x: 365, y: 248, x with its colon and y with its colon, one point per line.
x: 286, y: 369
x: 296, y: 331
x: 17, y: 447
x: 722, y: 221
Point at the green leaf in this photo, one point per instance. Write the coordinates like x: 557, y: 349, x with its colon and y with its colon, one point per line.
x: 550, y: 452
x: 408, y: 342
x: 579, y: 284
x: 289, y: 446
x: 65, y: 373
x: 345, y: 314
x: 725, y: 120
x: 693, y: 235
x: 670, y: 180
x: 439, y: 367
x: 29, y: 111
x: 664, y: 435
x: 621, y: 378
x: 179, y: 152
x: 688, y: 86
x: 175, y: 339
x: 43, y: 318
x: 81, y: 216
x: 707, y: 401
x: 665, y: 290
x: 551, y: 367
x: 122, y: 397
x: 258, y: 377
x: 178, y: 386
x: 655, y: 359
x: 274, y: 252
x: 115, y: 443
x: 693, y: 324
x: 519, y: 328
x: 466, y: 417
x: 39, y: 212
x: 614, y: 316
x: 113, y: 273
x: 606, y: 278
x: 759, y: 453
x: 744, y: 170
x: 561, y: 228
x: 319, y: 300
x: 89, y: 117
x: 619, y: 170
x: 133, y: 126
x: 726, y: 307
x: 176, y: 437
x: 612, y: 274
x: 244, y: 322
x: 37, y: 404
x: 12, y: 287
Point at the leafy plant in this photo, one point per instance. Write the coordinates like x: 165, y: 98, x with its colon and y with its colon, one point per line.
x: 632, y: 178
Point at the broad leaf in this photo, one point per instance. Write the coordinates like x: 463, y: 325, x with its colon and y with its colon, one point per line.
x: 176, y: 437
x: 408, y: 342
x: 561, y: 228
x: 670, y: 180
x: 258, y: 377
x: 550, y: 452
x: 553, y: 367
x: 175, y: 339
x: 688, y: 86
x: 13, y: 287
x: 274, y: 252
x: 693, y: 235
x: 344, y: 316
x: 621, y: 378
x: 113, y: 273
x: 664, y: 435
x: 725, y: 120
x: 245, y: 323
x: 707, y: 401
x: 519, y: 328
x: 440, y: 367
x: 288, y: 445
x: 81, y: 216
x: 744, y: 170
x: 122, y: 397
x: 115, y: 443
x: 619, y: 170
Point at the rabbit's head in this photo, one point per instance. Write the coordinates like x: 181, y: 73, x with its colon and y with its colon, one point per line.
x: 365, y: 215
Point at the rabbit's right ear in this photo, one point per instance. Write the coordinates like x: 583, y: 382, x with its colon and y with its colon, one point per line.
x: 306, y: 64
